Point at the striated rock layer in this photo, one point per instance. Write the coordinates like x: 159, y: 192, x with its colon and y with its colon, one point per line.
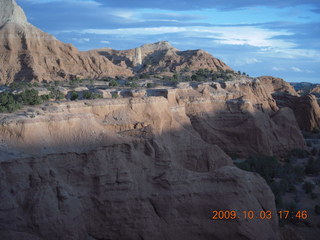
x: 142, y: 168
x: 122, y: 169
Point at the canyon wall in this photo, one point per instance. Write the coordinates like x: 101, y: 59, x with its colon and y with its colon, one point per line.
x: 142, y: 168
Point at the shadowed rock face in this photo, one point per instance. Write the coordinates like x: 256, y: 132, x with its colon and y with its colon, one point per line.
x: 142, y: 168
x: 305, y: 108
x: 124, y: 169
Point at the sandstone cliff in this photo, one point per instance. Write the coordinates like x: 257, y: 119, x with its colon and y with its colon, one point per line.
x: 132, y: 168
x: 306, y: 108
x: 136, y: 168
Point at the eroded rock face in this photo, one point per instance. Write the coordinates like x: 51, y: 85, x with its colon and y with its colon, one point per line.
x: 136, y: 168
x: 305, y: 108
x: 122, y: 169
x: 277, y: 85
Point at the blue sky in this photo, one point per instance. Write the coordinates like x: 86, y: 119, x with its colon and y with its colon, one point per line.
x: 278, y: 38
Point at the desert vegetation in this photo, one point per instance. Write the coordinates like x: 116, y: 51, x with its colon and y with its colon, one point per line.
x: 18, y: 94
x: 294, y: 178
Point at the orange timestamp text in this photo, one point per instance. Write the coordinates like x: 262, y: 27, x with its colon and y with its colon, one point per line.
x: 283, y: 214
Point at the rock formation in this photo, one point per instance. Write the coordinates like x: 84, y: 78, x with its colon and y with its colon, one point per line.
x: 132, y: 168
x: 138, y: 167
x: 27, y: 53
x: 306, y: 108
x: 142, y: 168
x: 161, y: 56
x: 11, y: 12
x: 277, y: 85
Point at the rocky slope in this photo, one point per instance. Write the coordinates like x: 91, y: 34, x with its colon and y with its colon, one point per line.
x: 161, y: 56
x: 27, y: 53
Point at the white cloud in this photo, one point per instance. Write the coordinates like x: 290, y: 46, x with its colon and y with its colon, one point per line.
x: 123, y: 13
x: 268, y: 42
x: 246, y: 61
x: 240, y: 35
x: 105, y: 42
x: 81, y: 40
x: 296, y: 69
x: 278, y: 69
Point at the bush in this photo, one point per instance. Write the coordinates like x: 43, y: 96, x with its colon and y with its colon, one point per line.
x: 113, y: 83
x: 313, y: 166
x: 313, y: 195
x: 264, y: 165
x: 91, y: 95
x: 133, y: 78
x: 74, y: 96
x: 300, y: 153
x: 115, y: 95
x: 144, y: 76
x: 308, y: 187
x: 8, y: 103
x: 56, y: 94
x: 30, y: 97
x: 150, y: 85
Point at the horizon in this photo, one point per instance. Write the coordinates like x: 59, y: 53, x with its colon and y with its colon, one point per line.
x: 260, y: 38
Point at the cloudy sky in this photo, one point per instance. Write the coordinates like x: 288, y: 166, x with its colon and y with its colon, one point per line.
x: 270, y: 37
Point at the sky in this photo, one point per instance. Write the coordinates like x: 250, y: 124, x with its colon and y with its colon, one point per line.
x: 280, y: 38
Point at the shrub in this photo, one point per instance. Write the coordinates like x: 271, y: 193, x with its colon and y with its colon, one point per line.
x: 115, y: 95
x: 113, y: 83
x: 135, y: 78
x: 74, y: 96
x: 10, y: 107
x: 308, y: 187
x: 150, y: 85
x: 300, y: 153
x: 30, y: 97
x: 56, y: 94
x: 314, y: 151
x: 313, y: 166
x: 313, y: 195
x: 91, y: 95
x: 144, y: 76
